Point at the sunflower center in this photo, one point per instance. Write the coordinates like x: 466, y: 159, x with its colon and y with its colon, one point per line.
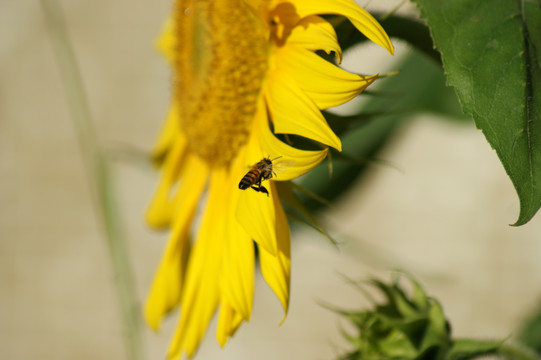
x: 221, y: 62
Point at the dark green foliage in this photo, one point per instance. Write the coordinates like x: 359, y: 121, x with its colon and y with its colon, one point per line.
x: 408, y: 327
x: 491, y: 55
x: 530, y: 333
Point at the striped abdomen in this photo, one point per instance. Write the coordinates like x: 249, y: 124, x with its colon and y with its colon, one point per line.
x: 249, y: 179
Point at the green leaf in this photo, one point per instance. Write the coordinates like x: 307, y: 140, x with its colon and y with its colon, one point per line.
x: 491, y: 54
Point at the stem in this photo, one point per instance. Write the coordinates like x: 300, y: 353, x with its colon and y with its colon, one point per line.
x: 99, y: 177
x: 517, y: 352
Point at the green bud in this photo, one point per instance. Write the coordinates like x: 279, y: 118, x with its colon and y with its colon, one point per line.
x: 407, y: 327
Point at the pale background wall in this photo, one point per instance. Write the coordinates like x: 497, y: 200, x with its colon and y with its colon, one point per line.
x: 444, y: 216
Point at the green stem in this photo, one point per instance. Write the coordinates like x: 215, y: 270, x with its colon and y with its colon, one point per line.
x: 517, y: 352
x: 99, y: 177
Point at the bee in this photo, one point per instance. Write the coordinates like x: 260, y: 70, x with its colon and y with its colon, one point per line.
x: 262, y: 170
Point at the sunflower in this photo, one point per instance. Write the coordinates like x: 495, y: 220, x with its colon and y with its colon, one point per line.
x: 243, y: 71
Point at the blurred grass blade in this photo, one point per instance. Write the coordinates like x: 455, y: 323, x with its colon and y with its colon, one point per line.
x: 343, y: 123
x: 99, y: 178
x: 310, y: 194
x: 285, y: 189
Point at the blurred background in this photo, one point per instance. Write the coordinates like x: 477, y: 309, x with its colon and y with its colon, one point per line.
x: 439, y: 206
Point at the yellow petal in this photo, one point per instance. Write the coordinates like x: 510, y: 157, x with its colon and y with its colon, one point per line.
x: 200, y: 295
x: 225, y: 320
x: 228, y: 323
x: 193, y: 178
x: 264, y: 219
x: 291, y: 28
x: 237, y: 272
x: 326, y: 84
x: 163, y: 205
x: 314, y: 33
x: 359, y: 17
x: 169, y: 135
x: 160, y: 208
x: 167, y: 42
x: 276, y: 269
x: 255, y: 211
x: 292, y: 162
x: 166, y: 287
x: 293, y: 112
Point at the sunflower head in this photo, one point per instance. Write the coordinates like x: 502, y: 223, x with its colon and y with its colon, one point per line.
x: 219, y: 62
x: 243, y: 72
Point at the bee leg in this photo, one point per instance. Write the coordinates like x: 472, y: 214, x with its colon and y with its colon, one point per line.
x: 260, y: 189
x: 263, y: 190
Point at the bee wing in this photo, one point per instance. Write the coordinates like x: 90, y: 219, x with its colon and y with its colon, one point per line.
x: 279, y: 166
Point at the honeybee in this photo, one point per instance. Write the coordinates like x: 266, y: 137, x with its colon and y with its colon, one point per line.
x: 262, y: 170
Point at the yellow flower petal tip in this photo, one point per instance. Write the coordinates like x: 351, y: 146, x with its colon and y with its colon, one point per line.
x: 236, y: 85
x: 152, y: 320
x: 158, y: 218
